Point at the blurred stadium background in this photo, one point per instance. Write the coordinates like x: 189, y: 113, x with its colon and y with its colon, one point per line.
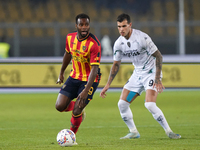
x: 38, y: 27
x: 36, y: 31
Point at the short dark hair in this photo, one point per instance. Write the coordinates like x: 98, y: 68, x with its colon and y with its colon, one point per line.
x: 123, y: 17
x: 80, y: 16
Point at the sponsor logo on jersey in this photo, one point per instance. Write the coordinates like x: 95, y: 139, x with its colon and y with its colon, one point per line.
x: 130, y: 53
x: 80, y: 59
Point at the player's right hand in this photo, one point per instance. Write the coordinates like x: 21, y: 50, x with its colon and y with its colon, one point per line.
x: 60, y: 79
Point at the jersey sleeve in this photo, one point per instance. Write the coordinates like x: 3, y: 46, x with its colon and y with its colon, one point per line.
x: 67, y: 45
x: 150, y: 46
x: 95, y: 54
x: 117, y: 51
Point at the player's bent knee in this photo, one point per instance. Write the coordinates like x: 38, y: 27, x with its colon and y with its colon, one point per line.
x: 150, y: 105
x: 59, y: 107
x: 120, y: 104
x: 124, y: 109
x: 123, y: 105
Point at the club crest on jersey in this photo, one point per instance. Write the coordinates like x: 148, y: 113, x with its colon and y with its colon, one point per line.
x: 84, y: 47
x: 129, y: 44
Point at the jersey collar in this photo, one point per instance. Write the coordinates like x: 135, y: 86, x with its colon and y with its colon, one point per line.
x: 82, y: 38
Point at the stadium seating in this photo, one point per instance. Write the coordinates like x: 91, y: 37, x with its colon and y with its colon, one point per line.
x: 65, y: 10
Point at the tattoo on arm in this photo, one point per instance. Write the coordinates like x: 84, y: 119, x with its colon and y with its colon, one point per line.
x: 158, y: 56
x: 114, y: 70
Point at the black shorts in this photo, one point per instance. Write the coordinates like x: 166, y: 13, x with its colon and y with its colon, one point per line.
x: 73, y: 87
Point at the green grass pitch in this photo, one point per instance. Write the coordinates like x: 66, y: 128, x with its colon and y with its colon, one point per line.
x: 31, y: 122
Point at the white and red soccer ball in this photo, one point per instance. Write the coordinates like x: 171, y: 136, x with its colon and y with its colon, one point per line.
x: 66, y: 137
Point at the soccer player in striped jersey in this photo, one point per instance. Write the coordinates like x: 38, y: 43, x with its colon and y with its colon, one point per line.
x: 147, y: 61
x: 83, y: 49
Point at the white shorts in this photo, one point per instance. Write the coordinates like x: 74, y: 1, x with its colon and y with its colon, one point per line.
x: 139, y: 83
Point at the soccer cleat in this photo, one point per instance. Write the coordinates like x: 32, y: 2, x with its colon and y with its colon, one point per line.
x: 83, y: 114
x: 131, y: 135
x: 173, y: 135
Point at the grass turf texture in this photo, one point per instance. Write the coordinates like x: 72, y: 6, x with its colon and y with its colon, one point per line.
x: 31, y: 122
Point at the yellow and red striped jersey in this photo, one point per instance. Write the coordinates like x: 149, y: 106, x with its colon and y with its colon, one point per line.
x: 85, y: 52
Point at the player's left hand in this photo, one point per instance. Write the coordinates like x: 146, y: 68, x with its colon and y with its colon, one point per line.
x: 81, y: 98
x: 158, y: 85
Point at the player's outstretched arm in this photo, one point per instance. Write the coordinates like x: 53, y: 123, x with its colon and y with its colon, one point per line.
x: 66, y: 60
x: 158, y: 83
x: 114, y: 70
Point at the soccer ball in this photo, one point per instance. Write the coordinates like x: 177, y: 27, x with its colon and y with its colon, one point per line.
x: 66, y: 137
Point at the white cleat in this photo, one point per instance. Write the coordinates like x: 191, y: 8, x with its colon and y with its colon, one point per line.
x: 173, y: 135
x: 83, y: 114
x: 131, y: 135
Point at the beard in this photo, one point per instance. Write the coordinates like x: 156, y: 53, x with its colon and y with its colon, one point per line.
x: 83, y: 34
